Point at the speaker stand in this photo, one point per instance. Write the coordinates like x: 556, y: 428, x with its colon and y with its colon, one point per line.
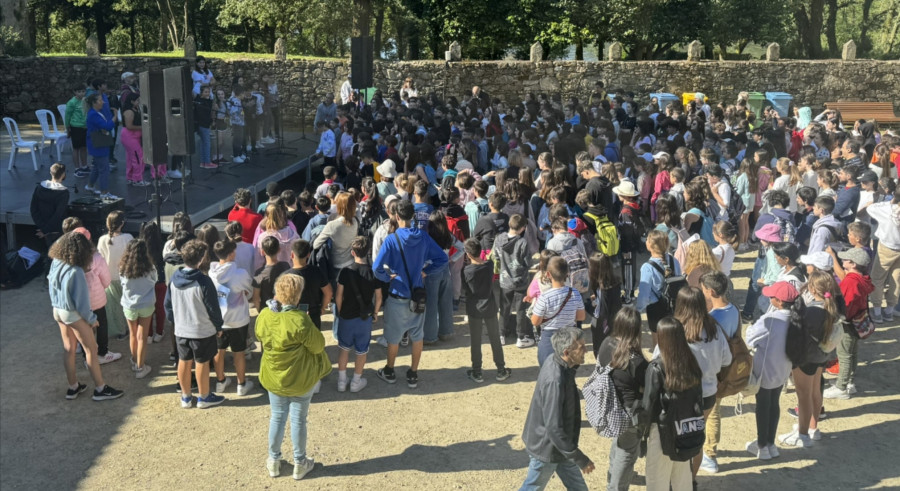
x: 280, y: 148
x: 303, y: 136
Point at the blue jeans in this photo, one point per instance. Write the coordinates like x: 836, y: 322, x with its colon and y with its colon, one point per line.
x: 545, y: 348
x: 539, y: 474
x: 754, y: 291
x: 439, y: 304
x: 100, y: 174
x: 298, y: 408
x: 623, y: 453
x: 204, y: 144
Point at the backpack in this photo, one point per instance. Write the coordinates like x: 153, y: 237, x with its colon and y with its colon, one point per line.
x: 788, y: 229
x: 682, y: 430
x: 672, y: 283
x: 735, y: 208
x: 680, y: 249
x: 604, y: 410
x: 733, y: 378
x: 579, y: 276
x: 607, y: 236
x: 456, y: 224
x: 706, y: 227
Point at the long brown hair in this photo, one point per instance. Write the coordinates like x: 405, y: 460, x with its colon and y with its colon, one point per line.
x: 679, y: 364
x: 601, y: 272
x: 136, y: 261
x: 73, y: 249
x: 346, y: 207
x: 690, y: 310
x: 627, y: 330
x: 276, y: 218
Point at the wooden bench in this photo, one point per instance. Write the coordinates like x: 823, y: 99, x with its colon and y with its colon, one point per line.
x: 881, y: 112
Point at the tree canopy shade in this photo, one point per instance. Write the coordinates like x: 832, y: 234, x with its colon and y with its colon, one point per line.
x: 416, y: 29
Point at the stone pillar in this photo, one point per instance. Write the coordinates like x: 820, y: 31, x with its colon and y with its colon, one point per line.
x: 537, y: 52
x: 773, y: 52
x: 849, y: 52
x: 695, y: 51
x: 455, y: 52
x: 280, y: 50
x: 92, y: 47
x: 615, y: 52
x: 190, y: 48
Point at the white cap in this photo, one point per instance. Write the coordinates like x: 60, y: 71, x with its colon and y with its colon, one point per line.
x: 126, y: 75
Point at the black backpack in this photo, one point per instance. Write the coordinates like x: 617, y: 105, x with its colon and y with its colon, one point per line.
x: 682, y: 429
x: 672, y: 283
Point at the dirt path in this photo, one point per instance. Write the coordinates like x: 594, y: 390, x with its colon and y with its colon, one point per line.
x: 448, y: 434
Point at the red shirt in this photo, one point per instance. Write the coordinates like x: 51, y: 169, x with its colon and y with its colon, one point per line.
x: 248, y: 219
x: 856, y: 289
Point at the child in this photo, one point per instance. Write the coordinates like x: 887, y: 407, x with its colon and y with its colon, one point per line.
x: 234, y: 289
x: 236, y: 113
x: 511, y: 251
x: 192, y: 306
x: 745, y: 186
x: 724, y: 234
x: 317, y: 290
x: 653, y: 277
x: 264, y: 278
x: 630, y: 242
x: 676, y: 176
x: 203, y: 120
x: 858, y: 234
x: 481, y: 310
x: 252, y: 103
x: 329, y: 173
x: 317, y: 223
x: 805, y: 218
x: 827, y: 228
x: 606, y: 298
x: 245, y: 255
x: 138, y: 276
x: 499, y: 160
x: 492, y: 224
x: 76, y: 128
x: 327, y: 147
x: 771, y: 364
x: 478, y: 207
x: 540, y: 283
x: 422, y: 206
x: 465, y: 182
x: 112, y: 246
x: 358, y: 301
x: 556, y: 308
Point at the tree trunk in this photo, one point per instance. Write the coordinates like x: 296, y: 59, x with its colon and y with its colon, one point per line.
x: 415, y: 47
x: 579, y: 49
x: 865, y: 44
x: 162, y: 42
x: 133, y: 34
x: 101, y: 28
x: 830, y: 33
x: 379, y: 28
x: 363, y: 18
x: 809, y: 28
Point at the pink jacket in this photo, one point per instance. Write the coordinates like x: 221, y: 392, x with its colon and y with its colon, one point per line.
x: 98, y: 279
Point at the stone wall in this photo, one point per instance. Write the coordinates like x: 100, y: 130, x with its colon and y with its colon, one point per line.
x: 27, y: 84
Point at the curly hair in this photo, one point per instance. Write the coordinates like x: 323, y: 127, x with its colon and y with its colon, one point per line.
x: 73, y: 249
x: 136, y: 261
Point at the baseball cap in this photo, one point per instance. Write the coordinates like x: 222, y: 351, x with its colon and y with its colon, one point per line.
x: 868, y: 176
x: 856, y: 255
x: 127, y: 74
x: 820, y: 260
x: 781, y: 290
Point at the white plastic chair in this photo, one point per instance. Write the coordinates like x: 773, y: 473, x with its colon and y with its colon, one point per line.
x: 16, y: 141
x: 62, y: 112
x: 50, y: 131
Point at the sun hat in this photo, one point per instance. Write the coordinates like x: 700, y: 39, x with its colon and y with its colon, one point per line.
x: 782, y: 290
x: 659, y: 155
x: 386, y: 169
x: 626, y: 188
x: 769, y: 233
x: 821, y: 260
x: 856, y: 255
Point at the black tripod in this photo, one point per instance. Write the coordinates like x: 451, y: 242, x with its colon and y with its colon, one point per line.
x: 153, y: 197
x: 223, y: 160
x: 280, y: 147
x: 303, y: 119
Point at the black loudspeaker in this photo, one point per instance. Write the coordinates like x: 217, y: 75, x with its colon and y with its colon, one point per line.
x: 93, y: 211
x: 361, y: 59
x: 153, y: 117
x: 179, y: 110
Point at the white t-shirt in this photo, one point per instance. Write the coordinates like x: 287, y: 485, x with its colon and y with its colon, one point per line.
x: 725, y: 194
x: 888, y: 231
x: 725, y: 254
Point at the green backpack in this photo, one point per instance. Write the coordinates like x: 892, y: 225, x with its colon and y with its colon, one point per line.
x: 607, y: 235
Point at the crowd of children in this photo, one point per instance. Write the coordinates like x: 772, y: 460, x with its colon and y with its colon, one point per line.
x: 617, y: 212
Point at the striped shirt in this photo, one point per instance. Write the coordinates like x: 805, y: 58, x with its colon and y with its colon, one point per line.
x: 551, y: 301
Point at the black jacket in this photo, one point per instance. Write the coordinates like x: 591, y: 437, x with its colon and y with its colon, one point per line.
x: 202, y: 112
x: 553, y: 423
x: 629, y: 383
x: 512, y: 253
x: 49, y: 206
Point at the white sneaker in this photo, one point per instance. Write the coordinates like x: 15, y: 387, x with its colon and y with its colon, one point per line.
x: 815, y: 434
x: 109, y: 196
x: 248, y: 354
x: 157, y: 338
x: 888, y: 315
x: 773, y: 450
x: 342, y: 384
x: 301, y: 469
x: 174, y: 174
x: 237, y: 160
x: 502, y: 340
x: 274, y: 467
x: 317, y: 387
x: 358, y: 385
x: 245, y: 388
x: 134, y: 366
x: 142, y: 371
x: 149, y: 339
x: 709, y: 465
x: 795, y: 439
x: 834, y: 393
x: 109, y: 357
x: 851, y: 388
x: 525, y: 342
x: 760, y: 453
x: 221, y: 386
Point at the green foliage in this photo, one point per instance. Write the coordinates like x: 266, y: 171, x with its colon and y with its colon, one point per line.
x: 13, y: 44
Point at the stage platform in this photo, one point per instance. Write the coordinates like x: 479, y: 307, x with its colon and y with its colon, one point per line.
x: 208, y: 194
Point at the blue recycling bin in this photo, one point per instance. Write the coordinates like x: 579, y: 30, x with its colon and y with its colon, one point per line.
x: 664, y: 99
x: 781, y: 101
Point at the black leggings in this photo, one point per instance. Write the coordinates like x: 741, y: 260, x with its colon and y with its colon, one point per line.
x: 768, y: 412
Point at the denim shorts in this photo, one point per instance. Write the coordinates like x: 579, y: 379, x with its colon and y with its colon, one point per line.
x: 399, y: 319
x: 355, y: 334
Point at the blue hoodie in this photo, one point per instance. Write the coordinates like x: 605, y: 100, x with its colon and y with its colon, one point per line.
x: 69, y: 290
x: 420, y: 250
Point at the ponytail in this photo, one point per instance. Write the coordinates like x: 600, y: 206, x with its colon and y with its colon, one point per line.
x: 795, y: 345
